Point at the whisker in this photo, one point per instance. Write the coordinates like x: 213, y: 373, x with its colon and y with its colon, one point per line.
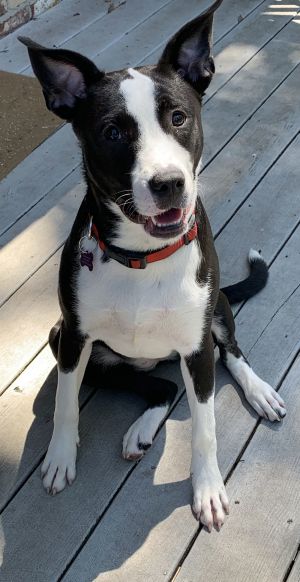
x: 126, y: 193
x: 120, y: 191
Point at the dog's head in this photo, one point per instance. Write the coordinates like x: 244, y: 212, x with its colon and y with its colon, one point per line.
x: 140, y: 129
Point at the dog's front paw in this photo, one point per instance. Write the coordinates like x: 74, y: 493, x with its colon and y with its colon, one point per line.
x: 265, y: 400
x: 59, y: 466
x: 210, y: 500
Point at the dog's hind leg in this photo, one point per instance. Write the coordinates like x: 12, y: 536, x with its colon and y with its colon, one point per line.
x: 262, y: 397
x: 160, y: 394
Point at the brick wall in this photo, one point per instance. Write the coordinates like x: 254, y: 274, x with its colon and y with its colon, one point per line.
x: 14, y: 13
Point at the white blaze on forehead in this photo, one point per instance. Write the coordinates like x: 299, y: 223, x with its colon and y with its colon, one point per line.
x: 139, y: 94
x: 158, y: 149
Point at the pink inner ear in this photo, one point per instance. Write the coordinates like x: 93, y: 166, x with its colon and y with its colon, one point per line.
x: 66, y: 78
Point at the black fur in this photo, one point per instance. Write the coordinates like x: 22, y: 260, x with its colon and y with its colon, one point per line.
x: 255, y: 282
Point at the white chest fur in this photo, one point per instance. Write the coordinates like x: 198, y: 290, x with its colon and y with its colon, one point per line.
x: 144, y: 313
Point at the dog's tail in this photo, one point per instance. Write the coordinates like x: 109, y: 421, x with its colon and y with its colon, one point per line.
x: 254, y: 283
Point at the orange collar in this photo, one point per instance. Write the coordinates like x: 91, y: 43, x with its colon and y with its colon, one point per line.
x: 137, y: 260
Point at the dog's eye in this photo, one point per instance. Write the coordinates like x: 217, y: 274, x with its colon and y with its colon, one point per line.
x: 112, y: 133
x: 178, y: 118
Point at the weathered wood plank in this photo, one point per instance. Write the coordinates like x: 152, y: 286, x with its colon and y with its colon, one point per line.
x: 26, y: 320
x: 59, y: 155
x: 162, y: 25
x: 234, y: 97
x: 37, y: 175
x: 29, y: 249
x: 295, y: 572
x: 260, y: 538
x: 36, y: 236
x: 119, y: 29
x: 252, y: 152
x: 242, y: 26
x: 78, y: 14
x: 271, y: 321
x: 266, y: 219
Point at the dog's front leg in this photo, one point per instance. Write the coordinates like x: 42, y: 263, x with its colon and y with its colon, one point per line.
x: 59, y: 466
x: 210, y: 500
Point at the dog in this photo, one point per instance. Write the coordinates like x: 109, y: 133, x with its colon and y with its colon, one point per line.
x: 139, y: 275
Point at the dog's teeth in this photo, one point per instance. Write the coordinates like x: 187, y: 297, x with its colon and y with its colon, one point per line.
x: 165, y: 225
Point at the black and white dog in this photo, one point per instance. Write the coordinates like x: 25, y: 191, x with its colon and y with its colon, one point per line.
x: 139, y: 277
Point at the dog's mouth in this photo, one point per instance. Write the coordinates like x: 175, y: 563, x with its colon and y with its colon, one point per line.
x: 167, y: 224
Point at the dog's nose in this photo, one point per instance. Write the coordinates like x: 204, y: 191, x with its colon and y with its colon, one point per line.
x: 170, y: 183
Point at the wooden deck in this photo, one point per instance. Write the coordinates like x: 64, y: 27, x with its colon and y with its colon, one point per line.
x: 133, y: 522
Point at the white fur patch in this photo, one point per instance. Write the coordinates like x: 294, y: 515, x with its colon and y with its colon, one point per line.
x: 146, y: 313
x: 142, y: 432
x: 262, y: 397
x: 254, y: 256
x: 210, y: 499
x: 157, y: 149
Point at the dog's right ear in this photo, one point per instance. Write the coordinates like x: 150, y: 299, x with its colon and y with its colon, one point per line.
x: 64, y: 75
x: 188, y: 52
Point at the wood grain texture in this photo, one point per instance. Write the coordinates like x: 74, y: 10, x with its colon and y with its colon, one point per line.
x: 38, y: 234
x: 295, y: 573
x: 37, y: 175
x: 262, y: 533
x: 235, y: 94
x: 78, y: 14
x: 241, y: 28
x: 26, y: 319
x: 263, y: 222
x: 252, y: 152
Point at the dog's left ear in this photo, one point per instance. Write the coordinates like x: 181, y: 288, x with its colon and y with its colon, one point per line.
x: 65, y: 76
x: 189, y: 50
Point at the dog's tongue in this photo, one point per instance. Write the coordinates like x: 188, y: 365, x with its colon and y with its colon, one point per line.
x: 169, y: 217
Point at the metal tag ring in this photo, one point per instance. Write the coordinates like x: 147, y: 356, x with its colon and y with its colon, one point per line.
x: 90, y: 239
